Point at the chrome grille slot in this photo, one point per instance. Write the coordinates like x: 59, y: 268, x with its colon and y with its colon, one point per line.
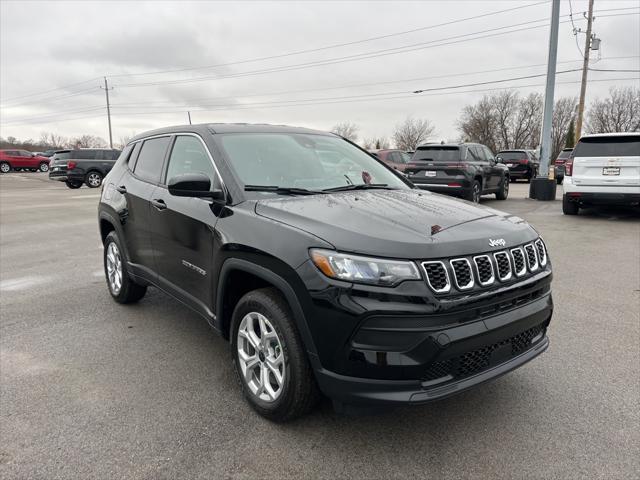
x: 503, y: 266
x: 484, y: 269
x: 462, y: 273
x: 532, y: 258
x: 542, y: 252
x: 520, y: 267
x: 437, y: 276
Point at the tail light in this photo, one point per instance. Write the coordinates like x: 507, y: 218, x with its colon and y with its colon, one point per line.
x: 524, y: 162
x: 568, y: 166
x: 71, y: 165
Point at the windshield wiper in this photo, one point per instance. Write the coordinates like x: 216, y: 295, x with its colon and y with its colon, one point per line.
x: 363, y: 186
x: 280, y: 190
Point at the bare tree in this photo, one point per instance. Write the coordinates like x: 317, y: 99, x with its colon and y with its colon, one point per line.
x: 412, y: 132
x: 478, y: 123
x: 620, y: 112
x: 505, y: 120
x: 52, y: 140
x: 123, y: 141
x: 375, y: 143
x: 348, y: 130
x: 564, y: 113
x: 89, y: 141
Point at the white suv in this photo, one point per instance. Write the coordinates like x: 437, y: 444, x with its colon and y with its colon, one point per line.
x: 603, y: 169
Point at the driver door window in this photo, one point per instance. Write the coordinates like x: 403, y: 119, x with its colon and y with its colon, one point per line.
x: 189, y: 155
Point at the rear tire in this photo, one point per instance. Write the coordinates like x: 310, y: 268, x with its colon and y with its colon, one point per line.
x: 279, y: 350
x: 121, y: 287
x: 5, y: 167
x: 73, y: 185
x: 474, y: 193
x: 569, y: 208
x: 93, y: 179
x: 44, y: 167
x: 503, y: 193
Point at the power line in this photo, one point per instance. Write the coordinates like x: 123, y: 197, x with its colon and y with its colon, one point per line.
x: 612, y: 70
x: 56, y: 114
x: 251, y: 106
x: 52, y: 90
x: 361, y: 56
x: 328, y: 47
x: 52, y: 99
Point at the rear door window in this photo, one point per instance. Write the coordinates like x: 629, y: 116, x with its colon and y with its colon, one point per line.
x: 608, y: 147
x: 83, y: 154
x: 150, y: 159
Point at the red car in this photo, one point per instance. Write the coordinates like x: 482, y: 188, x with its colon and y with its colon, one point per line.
x: 394, y: 158
x: 22, y: 160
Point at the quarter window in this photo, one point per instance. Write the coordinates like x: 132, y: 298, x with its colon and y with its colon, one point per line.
x: 189, y: 156
x: 149, y: 164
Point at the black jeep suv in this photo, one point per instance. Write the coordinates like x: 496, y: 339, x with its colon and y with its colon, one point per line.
x: 326, y: 270
x: 522, y: 164
x: 466, y: 170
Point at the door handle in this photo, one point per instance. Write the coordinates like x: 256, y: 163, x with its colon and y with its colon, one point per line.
x: 158, y: 203
x: 121, y: 189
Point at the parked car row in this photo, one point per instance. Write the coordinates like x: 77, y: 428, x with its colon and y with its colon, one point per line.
x: 86, y: 166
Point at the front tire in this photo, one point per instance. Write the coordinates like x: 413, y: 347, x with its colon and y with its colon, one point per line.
x: 269, y: 357
x: 44, y: 167
x: 121, y: 287
x: 73, y: 185
x: 569, y: 208
x: 93, y: 179
x: 503, y: 193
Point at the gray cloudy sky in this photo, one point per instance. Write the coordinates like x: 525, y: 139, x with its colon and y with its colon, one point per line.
x: 48, y: 48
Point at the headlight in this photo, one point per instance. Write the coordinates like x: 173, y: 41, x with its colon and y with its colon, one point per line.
x: 354, y: 268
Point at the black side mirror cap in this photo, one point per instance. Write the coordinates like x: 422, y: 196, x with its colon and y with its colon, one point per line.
x: 193, y: 185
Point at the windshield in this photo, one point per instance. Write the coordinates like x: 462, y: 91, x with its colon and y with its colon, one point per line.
x: 437, y: 154
x: 292, y: 160
x: 512, y: 155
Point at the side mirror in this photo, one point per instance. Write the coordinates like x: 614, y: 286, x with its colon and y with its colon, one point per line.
x: 193, y: 185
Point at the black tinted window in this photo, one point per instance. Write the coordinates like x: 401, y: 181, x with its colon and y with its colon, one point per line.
x: 83, y: 154
x: 608, y: 147
x: 513, y: 155
x: 438, y: 154
x: 149, y: 164
x: 189, y: 156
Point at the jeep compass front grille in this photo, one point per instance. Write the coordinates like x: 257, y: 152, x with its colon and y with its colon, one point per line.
x: 437, y: 276
x: 486, y: 270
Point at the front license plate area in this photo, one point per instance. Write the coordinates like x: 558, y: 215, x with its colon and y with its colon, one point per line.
x: 611, y: 171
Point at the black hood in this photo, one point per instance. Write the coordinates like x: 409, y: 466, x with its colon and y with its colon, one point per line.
x: 398, y: 223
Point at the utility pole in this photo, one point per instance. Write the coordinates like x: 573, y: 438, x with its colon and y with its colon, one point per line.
x: 585, y: 69
x: 189, y: 115
x: 106, y: 91
x: 543, y: 187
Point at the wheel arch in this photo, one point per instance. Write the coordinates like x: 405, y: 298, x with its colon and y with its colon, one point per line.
x: 258, y: 276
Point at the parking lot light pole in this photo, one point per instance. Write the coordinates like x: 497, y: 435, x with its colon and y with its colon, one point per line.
x: 543, y: 187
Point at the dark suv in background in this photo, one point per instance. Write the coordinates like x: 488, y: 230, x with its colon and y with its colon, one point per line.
x: 325, y: 269
x: 522, y: 164
x: 395, y: 158
x: 467, y: 170
x: 85, y: 165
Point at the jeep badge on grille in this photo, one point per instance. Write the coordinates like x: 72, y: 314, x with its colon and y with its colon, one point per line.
x: 498, y: 242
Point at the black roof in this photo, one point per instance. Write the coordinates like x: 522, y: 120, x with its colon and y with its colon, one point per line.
x: 204, y: 128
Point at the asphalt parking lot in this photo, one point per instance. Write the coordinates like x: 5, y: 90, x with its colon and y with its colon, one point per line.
x: 92, y: 389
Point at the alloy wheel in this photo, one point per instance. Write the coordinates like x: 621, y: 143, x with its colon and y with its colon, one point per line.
x: 114, y: 268
x: 5, y: 167
x: 94, y: 179
x: 44, y: 167
x: 261, y: 357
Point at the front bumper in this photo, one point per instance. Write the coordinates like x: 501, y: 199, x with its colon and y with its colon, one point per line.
x: 356, y: 391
